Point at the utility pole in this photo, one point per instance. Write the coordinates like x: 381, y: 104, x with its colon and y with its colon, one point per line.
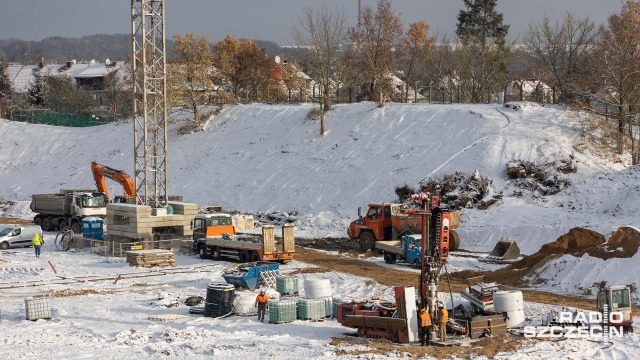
x: 149, y: 101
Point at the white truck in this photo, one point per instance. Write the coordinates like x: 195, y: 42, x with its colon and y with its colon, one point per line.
x: 67, y: 209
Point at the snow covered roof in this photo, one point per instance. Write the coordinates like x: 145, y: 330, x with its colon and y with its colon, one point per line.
x: 22, y: 76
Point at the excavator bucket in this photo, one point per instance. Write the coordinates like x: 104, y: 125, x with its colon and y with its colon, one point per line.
x: 505, y: 249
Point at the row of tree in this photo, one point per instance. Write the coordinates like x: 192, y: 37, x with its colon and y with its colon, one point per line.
x: 590, y: 66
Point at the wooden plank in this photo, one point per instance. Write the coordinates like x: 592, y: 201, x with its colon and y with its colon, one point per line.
x: 167, y: 317
x: 377, y: 322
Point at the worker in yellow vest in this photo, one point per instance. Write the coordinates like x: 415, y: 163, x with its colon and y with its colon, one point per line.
x: 37, y: 242
x: 443, y: 318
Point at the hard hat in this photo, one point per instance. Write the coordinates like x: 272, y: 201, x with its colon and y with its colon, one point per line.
x: 261, y: 291
x: 422, y: 310
x: 440, y: 306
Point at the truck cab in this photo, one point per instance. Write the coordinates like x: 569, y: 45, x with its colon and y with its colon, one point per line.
x: 375, y: 225
x: 210, y: 225
x: 617, y: 299
x: 412, y: 249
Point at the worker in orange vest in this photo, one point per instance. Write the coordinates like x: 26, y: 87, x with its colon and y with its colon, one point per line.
x: 425, y: 327
x: 262, y: 302
x: 443, y: 318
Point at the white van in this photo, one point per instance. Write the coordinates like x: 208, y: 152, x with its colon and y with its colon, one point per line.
x: 18, y: 235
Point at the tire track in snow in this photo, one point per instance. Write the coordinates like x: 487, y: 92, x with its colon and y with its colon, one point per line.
x: 446, y: 162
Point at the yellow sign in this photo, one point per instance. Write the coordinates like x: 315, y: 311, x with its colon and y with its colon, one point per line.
x: 97, y: 244
x: 136, y: 247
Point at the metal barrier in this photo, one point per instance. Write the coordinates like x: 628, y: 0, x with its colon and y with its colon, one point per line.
x: 119, y: 249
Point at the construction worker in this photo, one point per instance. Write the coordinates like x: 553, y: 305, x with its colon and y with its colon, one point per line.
x: 262, y: 302
x: 425, y: 327
x: 443, y: 318
x: 37, y: 243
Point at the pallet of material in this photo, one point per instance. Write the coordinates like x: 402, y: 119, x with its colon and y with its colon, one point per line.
x: 489, y: 325
x: 167, y: 317
x: 150, y: 258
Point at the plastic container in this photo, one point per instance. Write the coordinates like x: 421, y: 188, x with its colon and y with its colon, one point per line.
x: 328, y: 306
x: 93, y: 228
x: 219, y: 300
x: 244, y: 305
x: 282, y: 311
x: 311, y: 309
x: 512, y: 303
x: 37, y: 308
x: 287, y: 285
x: 334, y: 307
x: 317, y: 288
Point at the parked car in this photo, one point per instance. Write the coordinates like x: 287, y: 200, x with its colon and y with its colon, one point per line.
x: 18, y: 236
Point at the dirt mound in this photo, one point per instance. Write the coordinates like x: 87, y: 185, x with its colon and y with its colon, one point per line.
x: 623, y: 243
x: 625, y: 237
x: 575, y: 241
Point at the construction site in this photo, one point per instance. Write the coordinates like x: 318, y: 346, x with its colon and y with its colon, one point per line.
x: 350, y: 235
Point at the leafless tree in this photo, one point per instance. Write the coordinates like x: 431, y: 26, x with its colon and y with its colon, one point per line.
x: 563, y: 51
x: 320, y: 34
x: 374, y: 42
x: 617, y: 68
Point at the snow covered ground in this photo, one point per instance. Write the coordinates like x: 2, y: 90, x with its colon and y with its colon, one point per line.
x: 264, y: 157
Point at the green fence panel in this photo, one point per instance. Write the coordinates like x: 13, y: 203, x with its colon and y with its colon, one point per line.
x: 57, y: 119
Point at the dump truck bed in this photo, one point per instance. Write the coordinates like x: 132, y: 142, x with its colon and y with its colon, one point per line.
x: 391, y: 246
x: 53, y: 204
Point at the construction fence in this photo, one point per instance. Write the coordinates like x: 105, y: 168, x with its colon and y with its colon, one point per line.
x: 119, y: 249
x: 58, y: 119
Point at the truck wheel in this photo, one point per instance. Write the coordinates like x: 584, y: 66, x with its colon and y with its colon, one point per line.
x: 454, y: 244
x: 255, y: 256
x: 367, y: 241
x: 215, y: 254
x: 46, y: 224
x: 38, y: 221
x: 387, y: 259
x: 76, y: 228
x: 4, y: 245
x: 61, y: 223
x: 416, y: 263
x: 202, y: 250
x: 243, y: 255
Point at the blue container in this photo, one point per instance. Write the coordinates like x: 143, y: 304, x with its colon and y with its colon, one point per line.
x: 248, y: 275
x: 92, y: 228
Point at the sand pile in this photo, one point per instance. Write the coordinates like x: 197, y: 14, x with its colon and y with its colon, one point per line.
x: 577, y: 240
x: 623, y: 243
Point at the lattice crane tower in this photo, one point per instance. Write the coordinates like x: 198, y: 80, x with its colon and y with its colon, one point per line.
x: 149, y: 101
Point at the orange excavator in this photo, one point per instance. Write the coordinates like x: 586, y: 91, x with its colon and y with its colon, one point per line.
x: 100, y: 172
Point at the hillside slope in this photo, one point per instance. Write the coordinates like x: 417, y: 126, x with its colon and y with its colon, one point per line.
x: 265, y: 157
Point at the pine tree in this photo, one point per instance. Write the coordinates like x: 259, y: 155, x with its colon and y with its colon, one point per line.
x: 481, y: 26
x: 481, y: 22
x: 5, y: 84
x: 38, y: 90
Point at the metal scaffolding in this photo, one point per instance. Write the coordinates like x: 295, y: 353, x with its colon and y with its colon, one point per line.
x: 149, y: 101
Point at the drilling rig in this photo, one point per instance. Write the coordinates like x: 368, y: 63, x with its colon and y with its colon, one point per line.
x: 399, y: 322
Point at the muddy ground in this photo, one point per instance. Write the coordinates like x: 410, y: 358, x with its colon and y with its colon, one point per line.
x: 347, y: 262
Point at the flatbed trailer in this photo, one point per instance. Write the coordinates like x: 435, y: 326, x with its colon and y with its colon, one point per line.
x: 248, y: 248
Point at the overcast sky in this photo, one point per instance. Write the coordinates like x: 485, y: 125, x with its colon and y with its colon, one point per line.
x: 259, y: 19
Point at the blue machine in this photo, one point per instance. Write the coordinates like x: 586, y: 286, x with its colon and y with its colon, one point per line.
x: 412, y: 248
x: 92, y: 228
x: 248, y: 275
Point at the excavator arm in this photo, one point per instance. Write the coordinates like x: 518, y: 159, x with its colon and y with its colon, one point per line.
x: 100, y: 172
